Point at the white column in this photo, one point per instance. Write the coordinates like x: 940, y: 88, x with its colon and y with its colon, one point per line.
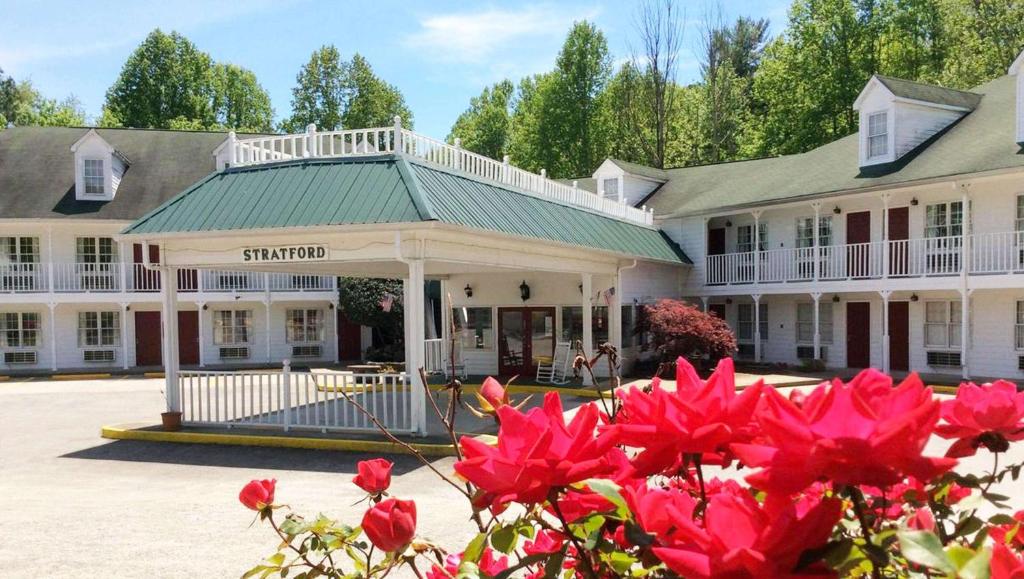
x: 615, y: 314
x: 704, y: 302
x: 757, y: 327
x: 334, y: 335
x: 885, y: 238
x: 169, y: 283
x: 267, y: 331
x: 965, y: 291
x: 201, y: 315
x: 124, y: 336
x: 885, y: 329
x: 588, y: 321
x: 49, y: 264
x: 53, y: 331
x: 817, y: 325
x: 757, y: 246
x: 414, y: 343
x: 123, y: 261
x: 816, y: 257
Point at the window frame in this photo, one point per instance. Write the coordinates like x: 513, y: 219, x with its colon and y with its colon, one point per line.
x: 483, y: 337
x: 238, y: 322
x: 950, y: 324
x: 805, y: 231
x: 103, y: 250
x: 825, y: 327
x: 567, y: 333
x: 872, y: 136
x: 304, y: 326
x: 616, y: 193
x: 1018, y: 326
x: 949, y: 227
x: 13, y: 249
x: 89, y: 179
x: 104, y: 325
x: 20, y: 330
x: 749, y: 323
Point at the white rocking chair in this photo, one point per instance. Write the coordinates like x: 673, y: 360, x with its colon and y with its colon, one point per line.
x: 555, y: 369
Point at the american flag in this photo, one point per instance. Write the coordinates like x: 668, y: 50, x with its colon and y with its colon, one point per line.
x: 387, y: 302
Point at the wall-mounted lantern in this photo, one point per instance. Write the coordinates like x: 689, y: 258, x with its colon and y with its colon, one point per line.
x: 524, y: 291
x: 914, y: 202
x: 914, y: 298
x: 581, y: 289
x: 728, y: 223
x: 469, y: 290
x: 728, y: 301
x: 837, y: 210
x: 835, y: 299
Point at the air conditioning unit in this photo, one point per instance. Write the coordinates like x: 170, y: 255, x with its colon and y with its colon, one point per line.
x: 306, y: 351
x: 1020, y: 362
x: 944, y: 359
x: 98, y: 355
x: 745, y: 351
x: 807, y: 352
x: 21, y: 357
x: 234, y: 353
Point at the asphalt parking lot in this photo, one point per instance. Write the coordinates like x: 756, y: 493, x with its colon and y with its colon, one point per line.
x: 76, y: 505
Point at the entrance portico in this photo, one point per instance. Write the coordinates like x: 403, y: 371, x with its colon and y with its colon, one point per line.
x: 385, y: 216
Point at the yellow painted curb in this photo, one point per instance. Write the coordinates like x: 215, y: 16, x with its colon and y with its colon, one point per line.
x: 96, y: 376
x: 153, y: 374
x: 128, y: 432
x: 4, y: 378
x: 944, y: 389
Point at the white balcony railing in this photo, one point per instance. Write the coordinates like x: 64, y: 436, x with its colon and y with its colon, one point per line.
x: 362, y: 142
x: 136, y: 278
x: 991, y: 253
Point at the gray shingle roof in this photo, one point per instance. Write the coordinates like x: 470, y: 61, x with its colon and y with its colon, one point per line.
x: 37, y: 173
x: 930, y: 93
x: 983, y: 140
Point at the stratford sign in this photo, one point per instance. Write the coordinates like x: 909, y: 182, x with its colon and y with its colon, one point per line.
x: 284, y: 253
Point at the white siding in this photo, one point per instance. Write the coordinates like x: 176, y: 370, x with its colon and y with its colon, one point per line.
x: 915, y: 124
x: 1020, y: 107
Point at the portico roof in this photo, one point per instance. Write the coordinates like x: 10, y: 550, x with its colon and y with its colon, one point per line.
x: 389, y: 189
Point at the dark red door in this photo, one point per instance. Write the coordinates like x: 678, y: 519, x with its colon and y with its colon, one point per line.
x: 350, y: 339
x: 524, y: 335
x: 899, y: 231
x: 717, y: 272
x: 858, y: 236
x: 188, y: 338
x: 716, y: 241
x: 147, y: 339
x: 145, y: 279
x: 858, y: 334
x: 899, y: 336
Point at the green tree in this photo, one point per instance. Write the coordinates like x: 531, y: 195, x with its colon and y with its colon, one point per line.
x: 8, y: 91
x: 532, y: 139
x: 484, y: 127
x: 165, y: 78
x: 987, y: 36
x: 369, y: 101
x: 239, y: 102
x: 319, y: 93
x: 360, y: 301
x: 23, y: 105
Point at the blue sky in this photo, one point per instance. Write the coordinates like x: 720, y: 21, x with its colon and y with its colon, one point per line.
x: 438, y: 53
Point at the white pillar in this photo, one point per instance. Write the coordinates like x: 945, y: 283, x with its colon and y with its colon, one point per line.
x: 201, y: 316
x: 267, y: 330
x: 615, y: 314
x: 757, y: 327
x: 414, y: 343
x: 885, y: 239
x: 49, y: 265
x: 965, y: 291
x: 816, y: 257
x: 124, y: 336
x: 334, y: 335
x: 817, y: 325
x: 588, y: 321
x: 53, y: 332
x: 169, y: 283
x: 704, y: 302
x: 757, y: 246
x: 885, y: 329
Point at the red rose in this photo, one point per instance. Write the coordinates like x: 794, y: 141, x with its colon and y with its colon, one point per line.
x: 390, y: 524
x: 493, y: 393
x: 990, y: 415
x: 862, y: 433
x: 258, y: 494
x: 547, y: 542
x: 1006, y: 564
x: 922, y: 520
x: 1011, y: 534
x: 698, y: 418
x: 489, y: 563
x: 537, y: 451
x: 374, y: 475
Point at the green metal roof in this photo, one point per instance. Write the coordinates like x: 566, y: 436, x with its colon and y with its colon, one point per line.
x: 390, y: 189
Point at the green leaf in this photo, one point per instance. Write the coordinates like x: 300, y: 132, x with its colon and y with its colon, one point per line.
x: 959, y: 555
x: 621, y: 562
x: 608, y: 490
x: 978, y: 566
x: 475, y: 548
x: 505, y: 539
x: 924, y: 548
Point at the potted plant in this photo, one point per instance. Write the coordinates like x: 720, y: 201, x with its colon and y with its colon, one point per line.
x: 171, y: 421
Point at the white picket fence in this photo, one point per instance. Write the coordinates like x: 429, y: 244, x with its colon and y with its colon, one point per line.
x: 292, y: 400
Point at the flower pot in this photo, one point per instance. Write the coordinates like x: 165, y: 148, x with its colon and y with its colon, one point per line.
x: 171, y: 420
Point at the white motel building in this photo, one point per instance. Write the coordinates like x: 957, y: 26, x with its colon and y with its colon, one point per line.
x: 899, y: 247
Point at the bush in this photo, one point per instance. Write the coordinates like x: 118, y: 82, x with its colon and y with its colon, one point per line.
x: 679, y: 329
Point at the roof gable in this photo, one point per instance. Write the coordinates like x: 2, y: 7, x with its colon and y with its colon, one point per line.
x: 918, y: 92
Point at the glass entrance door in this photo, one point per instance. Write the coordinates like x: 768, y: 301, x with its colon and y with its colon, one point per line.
x: 524, y: 336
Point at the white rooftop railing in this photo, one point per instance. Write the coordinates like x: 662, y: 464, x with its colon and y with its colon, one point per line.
x: 384, y: 140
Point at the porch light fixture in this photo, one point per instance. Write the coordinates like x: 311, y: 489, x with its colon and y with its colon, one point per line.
x: 205, y: 307
x: 837, y: 210
x: 835, y: 299
x: 581, y: 289
x: 728, y: 223
x: 914, y: 298
x: 914, y: 201
x: 524, y: 291
x: 469, y: 290
x: 728, y: 301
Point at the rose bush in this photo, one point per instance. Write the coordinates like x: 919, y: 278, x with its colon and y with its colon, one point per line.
x: 699, y: 480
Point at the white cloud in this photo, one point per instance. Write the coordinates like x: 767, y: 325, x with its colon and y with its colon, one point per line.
x: 483, y: 36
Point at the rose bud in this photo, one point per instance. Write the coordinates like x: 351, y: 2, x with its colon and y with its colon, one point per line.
x: 390, y: 524
x: 374, y: 476
x: 258, y: 494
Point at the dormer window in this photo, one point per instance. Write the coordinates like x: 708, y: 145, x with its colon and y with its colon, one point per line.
x: 94, y: 177
x: 611, y: 188
x: 878, y: 134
